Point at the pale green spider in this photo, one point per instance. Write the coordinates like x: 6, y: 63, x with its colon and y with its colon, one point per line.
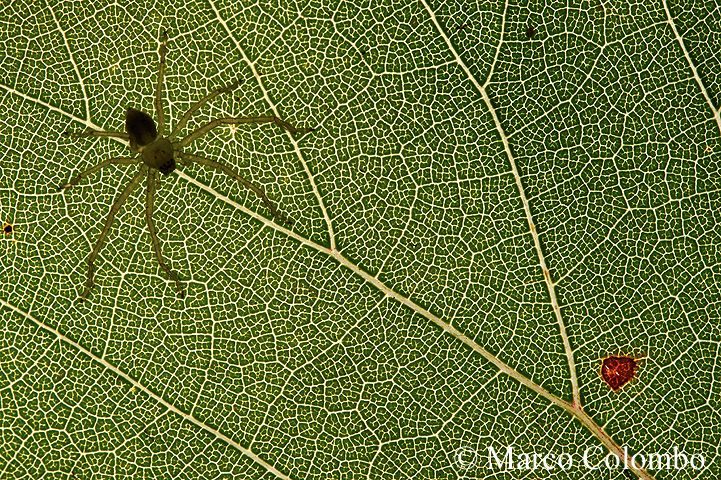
x: 156, y: 152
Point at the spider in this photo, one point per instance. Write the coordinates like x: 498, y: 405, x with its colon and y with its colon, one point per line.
x: 156, y: 152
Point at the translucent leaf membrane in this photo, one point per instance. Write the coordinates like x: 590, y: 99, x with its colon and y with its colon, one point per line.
x: 495, y: 198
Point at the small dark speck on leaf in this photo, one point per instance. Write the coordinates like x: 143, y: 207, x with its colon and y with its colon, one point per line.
x: 530, y: 31
x: 7, y: 229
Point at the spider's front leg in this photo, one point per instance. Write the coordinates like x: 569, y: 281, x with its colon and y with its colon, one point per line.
x: 91, y: 132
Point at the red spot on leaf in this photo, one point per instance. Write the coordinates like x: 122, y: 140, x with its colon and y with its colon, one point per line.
x: 618, y: 371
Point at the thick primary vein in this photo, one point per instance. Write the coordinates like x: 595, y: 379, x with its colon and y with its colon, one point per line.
x: 169, y: 406
x: 526, y: 208
x: 273, y: 107
x: 679, y: 38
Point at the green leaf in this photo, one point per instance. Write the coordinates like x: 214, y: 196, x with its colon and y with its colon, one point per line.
x: 495, y: 197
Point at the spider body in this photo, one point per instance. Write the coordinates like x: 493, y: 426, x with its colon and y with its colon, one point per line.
x: 155, y: 152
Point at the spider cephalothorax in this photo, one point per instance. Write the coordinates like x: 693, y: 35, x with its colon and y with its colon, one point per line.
x: 155, y: 152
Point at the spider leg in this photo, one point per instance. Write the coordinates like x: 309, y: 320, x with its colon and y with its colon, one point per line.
x: 244, y: 181
x: 237, y: 120
x: 196, y: 106
x: 149, y: 201
x: 159, y: 86
x: 106, y: 228
x: 91, y: 132
x: 101, y: 165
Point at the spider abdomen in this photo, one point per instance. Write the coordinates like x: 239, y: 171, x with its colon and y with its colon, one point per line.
x: 140, y: 127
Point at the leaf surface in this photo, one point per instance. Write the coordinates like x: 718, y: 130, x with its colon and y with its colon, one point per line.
x: 495, y: 197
